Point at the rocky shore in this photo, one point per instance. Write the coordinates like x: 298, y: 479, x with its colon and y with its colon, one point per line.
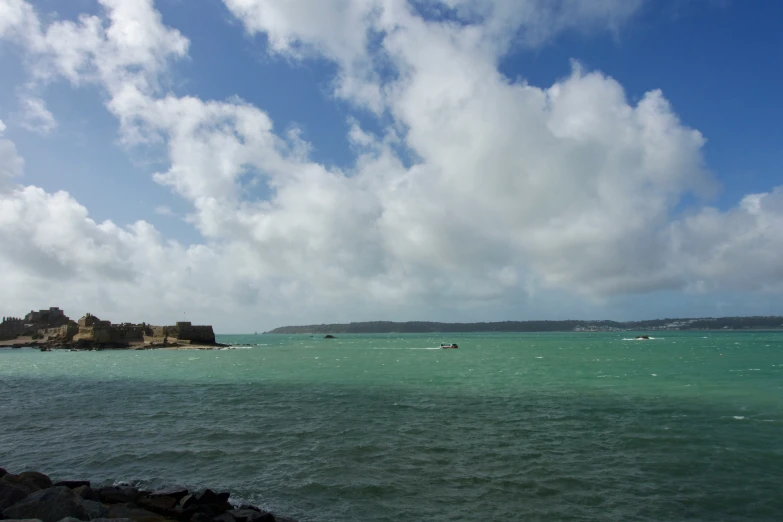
x: 32, y: 496
x: 93, y: 345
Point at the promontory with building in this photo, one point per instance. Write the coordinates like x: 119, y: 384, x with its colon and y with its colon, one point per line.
x: 51, y: 328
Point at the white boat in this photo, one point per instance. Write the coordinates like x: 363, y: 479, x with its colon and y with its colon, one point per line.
x: 448, y: 345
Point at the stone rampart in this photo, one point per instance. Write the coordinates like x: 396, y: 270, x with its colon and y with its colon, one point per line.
x: 65, y: 332
x: 110, y: 334
x: 181, y: 332
x: 11, y: 328
x: 196, y: 334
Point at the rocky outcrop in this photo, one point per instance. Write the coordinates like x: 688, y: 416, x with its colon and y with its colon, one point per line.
x: 10, y: 495
x: 49, y: 505
x: 32, y: 495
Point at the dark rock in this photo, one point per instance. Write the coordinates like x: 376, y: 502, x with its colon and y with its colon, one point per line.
x: 10, y: 495
x: 73, y: 484
x: 177, y: 493
x: 134, y: 513
x: 69, y: 519
x: 250, y: 515
x: 200, y: 517
x: 30, y: 481
x: 39, y: 479
x: 95, y: 509
x: 22, y: 520
x: 3, y: 472
x: 112, y: 520
x: 87, y: 493
x: 162, y: 505
x: 49, y: 505
x: 329, y: 337
x: 225, y: 517
x: 248, y: 506
x: 211, y: 510
x: 205, y: 497
x: 115, y: 495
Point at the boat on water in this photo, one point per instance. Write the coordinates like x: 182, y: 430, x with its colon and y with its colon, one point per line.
x: 448, y: 345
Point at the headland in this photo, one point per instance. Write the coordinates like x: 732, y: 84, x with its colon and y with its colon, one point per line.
x: 52, y: 329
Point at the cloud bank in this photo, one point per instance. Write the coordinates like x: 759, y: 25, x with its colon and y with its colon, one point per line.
x: 514, y: 192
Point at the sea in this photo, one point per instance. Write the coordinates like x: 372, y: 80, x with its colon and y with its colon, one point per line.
x: 389, y: 427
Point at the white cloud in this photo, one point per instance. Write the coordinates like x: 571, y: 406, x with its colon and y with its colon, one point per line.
x: 36, y: 117
x: 11, y: 164
x: 515, y: 190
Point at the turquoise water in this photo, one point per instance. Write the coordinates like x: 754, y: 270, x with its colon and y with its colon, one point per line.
x: 384, y: 427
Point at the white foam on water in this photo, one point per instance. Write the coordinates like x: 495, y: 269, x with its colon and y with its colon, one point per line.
x: 739, y: 417
x: 539, y: 357
x: 654, y: 374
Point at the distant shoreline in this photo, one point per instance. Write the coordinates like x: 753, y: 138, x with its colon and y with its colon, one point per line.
x: 753, y: 323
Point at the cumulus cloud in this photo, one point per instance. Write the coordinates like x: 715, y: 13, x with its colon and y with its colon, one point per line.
x: 11, y: 164
x: 36, y: 117
x: 515, y: 189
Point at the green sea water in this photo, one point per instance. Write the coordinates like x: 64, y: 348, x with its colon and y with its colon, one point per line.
x: 562, y: 426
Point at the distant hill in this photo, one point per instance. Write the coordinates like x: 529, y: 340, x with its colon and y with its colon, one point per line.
x: 706, y: 323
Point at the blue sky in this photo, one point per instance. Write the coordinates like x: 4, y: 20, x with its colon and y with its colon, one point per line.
x: 333, y: 224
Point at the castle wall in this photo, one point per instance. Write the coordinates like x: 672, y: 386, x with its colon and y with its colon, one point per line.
x: 196, y: 334
x: 11, y: 328
x: 110, y: 334
x: 181, y: 332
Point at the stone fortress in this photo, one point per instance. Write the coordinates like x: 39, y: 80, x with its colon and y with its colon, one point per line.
x: 52, y: 326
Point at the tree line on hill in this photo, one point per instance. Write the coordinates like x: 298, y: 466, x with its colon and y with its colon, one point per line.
x: 708, y: 323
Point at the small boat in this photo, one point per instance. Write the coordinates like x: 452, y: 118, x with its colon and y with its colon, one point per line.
x: 450, y: 345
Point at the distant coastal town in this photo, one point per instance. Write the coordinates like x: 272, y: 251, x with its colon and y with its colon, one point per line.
x: 773, y: 322
x: 51, y: 328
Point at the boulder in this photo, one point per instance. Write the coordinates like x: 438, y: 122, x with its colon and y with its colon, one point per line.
x: 73, y: 484
x: 250, y: 515
x: 211, y: 510
x: 95, y: 509
x: 10, y: 495
x: 69, y: 519
x: 160, y: 504
x: 49, y: 505
x: 134, y: 513
x: 200, y: 517
x: 87, y: 493
x: 3, y: 472
x: 205, y: 497
x: 115, y: 495
x: 39, y: 479
x: 225, y: 517
x: 30, y: 481
x: 177, y: 493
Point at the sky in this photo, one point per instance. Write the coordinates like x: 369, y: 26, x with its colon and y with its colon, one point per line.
x: 258, y: 163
